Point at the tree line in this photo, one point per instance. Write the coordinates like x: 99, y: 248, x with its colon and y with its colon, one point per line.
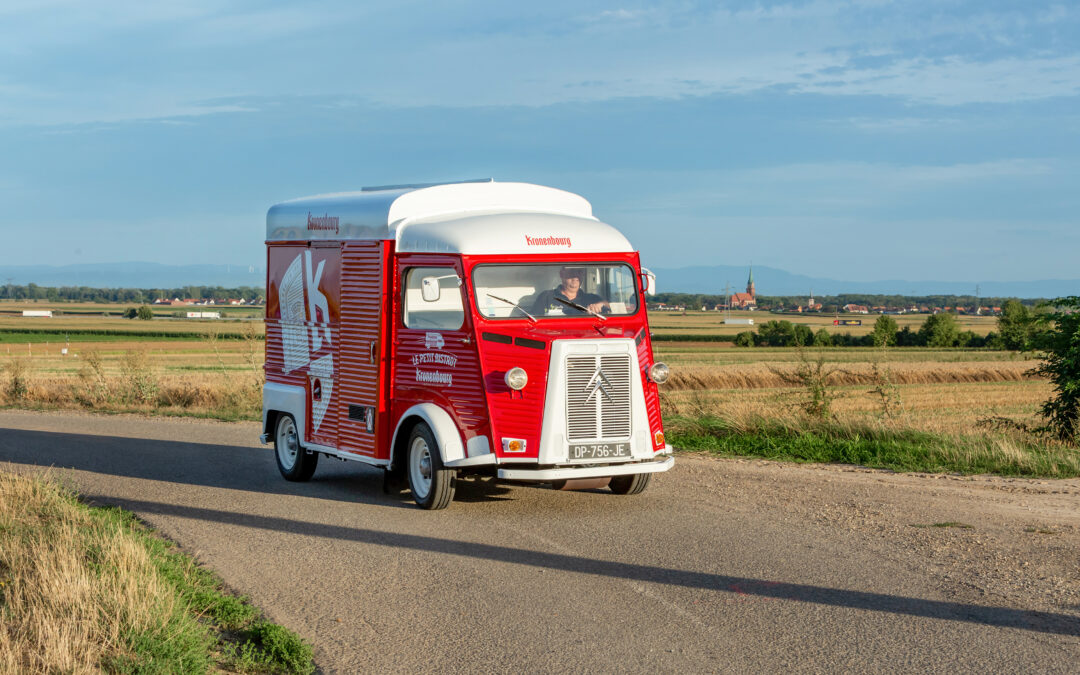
x: 1020, y: 327
x: 122, y: 295
x: 832, y: 303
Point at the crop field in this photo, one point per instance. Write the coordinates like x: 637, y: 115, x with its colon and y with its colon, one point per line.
x: 693, y: 323
x: 213, y: 368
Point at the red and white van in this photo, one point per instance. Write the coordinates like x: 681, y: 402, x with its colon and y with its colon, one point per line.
x: 434, y: 330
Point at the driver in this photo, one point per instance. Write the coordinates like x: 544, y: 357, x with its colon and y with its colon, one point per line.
x: 570, y: 290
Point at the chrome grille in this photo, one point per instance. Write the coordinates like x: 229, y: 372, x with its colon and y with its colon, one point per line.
x: 598, y: 397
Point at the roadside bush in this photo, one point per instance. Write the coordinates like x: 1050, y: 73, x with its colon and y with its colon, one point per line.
x: 816, y: 379
x: 145, y: 312
x: 18, y: 386
x: 95, y: 385
x: 139, y: 381
x: 1061, y: 365
x: 822, y: 338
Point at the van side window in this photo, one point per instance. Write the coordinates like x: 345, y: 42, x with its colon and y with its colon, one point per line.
x: 445, y: 313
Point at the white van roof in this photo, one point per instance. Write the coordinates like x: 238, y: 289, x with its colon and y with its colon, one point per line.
x: 469, y: 217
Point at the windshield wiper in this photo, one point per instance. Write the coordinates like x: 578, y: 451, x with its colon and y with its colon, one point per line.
x: 598, y: 315
x: 511, y: 302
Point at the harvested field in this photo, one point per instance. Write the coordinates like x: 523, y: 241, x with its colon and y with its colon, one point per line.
x: 766, y: 375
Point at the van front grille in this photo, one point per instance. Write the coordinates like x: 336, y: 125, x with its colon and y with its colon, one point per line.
x: 598, y: 397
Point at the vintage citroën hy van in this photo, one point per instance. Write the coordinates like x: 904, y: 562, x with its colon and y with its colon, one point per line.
x: 475, y: 327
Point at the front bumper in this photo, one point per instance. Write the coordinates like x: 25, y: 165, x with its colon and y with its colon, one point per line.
x: 571, y: 472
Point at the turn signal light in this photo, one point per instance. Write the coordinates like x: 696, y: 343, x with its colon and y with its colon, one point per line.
x: 513, y: 445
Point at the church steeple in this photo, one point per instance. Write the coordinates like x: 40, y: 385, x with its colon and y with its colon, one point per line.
x: 750, y: 282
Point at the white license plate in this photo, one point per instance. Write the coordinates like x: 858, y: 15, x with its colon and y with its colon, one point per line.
x: 599, y: 450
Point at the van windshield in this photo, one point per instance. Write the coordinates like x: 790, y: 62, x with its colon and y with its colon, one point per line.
x: 550, y: 291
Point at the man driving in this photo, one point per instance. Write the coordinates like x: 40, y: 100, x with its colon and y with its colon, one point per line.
x: 547, y: 303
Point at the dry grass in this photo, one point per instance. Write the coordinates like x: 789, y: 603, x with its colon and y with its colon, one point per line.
x: 955, y: 409
x: 72, y: 591
x: 766, y: 375
x: 208, y: 377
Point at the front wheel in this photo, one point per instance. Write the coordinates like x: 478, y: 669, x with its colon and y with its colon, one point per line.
x: 294, y: 463
x: 432, y: 484
x: 633, y: 484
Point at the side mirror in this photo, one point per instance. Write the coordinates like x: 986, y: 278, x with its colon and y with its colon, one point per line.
x: 429, y: 286
x: 429, y: 289
x: 648, y: 281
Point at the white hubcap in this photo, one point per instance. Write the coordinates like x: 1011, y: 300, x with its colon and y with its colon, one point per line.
x: 420, y: 468
x: 287, y: 443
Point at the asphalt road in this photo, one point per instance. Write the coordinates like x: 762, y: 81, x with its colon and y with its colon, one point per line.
x: 525, y: 579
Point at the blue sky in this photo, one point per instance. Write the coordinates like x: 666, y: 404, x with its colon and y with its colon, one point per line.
x: 856, y: 140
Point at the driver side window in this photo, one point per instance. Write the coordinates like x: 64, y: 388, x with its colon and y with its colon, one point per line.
x: 445, y: 313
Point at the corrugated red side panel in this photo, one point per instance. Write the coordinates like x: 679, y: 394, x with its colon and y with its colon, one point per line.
x: 363, y: 292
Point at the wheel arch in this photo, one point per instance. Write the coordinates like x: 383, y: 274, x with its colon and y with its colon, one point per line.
x: 279, y: 399
x: 446, y: 432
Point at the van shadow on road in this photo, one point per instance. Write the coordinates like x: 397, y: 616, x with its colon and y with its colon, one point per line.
x: 1041, y: 622
x: 209, y: 465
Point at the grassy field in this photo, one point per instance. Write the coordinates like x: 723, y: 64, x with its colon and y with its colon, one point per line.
x: 93, y: 590
x: 965, y: 399
x: 693, y: 323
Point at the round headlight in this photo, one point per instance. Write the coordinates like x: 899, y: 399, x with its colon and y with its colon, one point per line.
x: 516, y: 378
x: 659, y: 373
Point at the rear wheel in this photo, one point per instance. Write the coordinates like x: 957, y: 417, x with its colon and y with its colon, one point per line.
x: 293, y: 461
x: 630, y: 485
x: 432, y: 484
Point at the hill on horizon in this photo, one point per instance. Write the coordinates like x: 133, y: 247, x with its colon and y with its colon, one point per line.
x: 711, y: 280
x: 703, y: 279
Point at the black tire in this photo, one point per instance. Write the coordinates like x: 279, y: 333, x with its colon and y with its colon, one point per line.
x: 294, y: 463
x: 634, y: 484
x: 432, y: 485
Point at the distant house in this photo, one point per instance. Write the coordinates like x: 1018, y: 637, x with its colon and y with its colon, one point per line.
x: 856, y: 309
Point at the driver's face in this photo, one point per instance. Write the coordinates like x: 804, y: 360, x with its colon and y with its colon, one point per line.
x: 570, y: 281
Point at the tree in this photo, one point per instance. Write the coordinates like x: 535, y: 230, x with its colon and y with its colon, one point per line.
x: 1016, y: 326
x: 803, y: 336
x: 822, y: 338
x: 939, y: 330
x: 131, y: 313
x: 145, y: 312
x: 1061, y: 365
x: 745, y: 339
x: 776, y: 333
x: 885, y: 331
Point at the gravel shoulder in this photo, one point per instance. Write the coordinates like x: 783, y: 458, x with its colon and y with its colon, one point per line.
x: 1013, y: 539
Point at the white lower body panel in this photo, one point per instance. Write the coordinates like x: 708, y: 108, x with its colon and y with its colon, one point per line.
x: 571, y: 472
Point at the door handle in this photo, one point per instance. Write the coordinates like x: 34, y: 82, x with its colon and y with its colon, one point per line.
x: 372, y: 350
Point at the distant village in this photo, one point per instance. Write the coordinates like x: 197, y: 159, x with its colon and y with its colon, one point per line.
x: 202, y: 302
x: 748, y: 301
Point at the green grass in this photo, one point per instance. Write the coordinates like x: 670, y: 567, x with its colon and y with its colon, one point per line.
x: 866, y: 445
x: 211, y: 629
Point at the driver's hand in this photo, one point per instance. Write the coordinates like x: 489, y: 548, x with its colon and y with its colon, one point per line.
x: 598, y: 306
